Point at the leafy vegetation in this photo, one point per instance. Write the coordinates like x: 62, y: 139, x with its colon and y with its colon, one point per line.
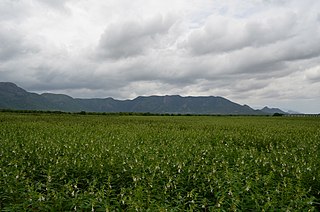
x: 67, y: 162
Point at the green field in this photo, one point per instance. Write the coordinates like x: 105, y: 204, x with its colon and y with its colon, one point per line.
x: 67, y: 162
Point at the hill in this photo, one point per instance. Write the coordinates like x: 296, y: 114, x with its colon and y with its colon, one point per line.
x: 14, y: 97
x: 272, y: 110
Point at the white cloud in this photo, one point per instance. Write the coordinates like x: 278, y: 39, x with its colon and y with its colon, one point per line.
x: 254, y: 52
x: 223, y: 34
x: 132, y: 38
x: 313, y: 74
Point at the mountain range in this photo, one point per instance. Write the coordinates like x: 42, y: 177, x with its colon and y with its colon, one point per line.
x: 14, y: 97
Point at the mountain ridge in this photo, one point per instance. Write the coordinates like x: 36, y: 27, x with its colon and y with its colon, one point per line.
x: 269, y: 110
x: 14, y: 97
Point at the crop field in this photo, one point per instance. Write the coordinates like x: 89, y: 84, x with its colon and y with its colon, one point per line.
x: 73, y: 162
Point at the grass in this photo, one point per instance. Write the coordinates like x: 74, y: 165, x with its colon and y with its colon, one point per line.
x: 67, y: 162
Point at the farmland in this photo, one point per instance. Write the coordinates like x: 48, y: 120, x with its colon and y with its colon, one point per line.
x: 73, y: 162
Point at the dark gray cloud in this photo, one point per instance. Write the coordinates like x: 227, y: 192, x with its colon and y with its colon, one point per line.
x: 13, y: 44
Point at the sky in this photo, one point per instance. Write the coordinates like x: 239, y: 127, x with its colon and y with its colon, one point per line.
x: 254, y: 52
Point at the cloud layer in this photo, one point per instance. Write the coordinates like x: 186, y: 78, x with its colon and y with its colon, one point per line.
x: 253, y: 52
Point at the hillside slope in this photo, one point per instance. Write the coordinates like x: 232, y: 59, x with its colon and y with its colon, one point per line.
x: 14, y: 97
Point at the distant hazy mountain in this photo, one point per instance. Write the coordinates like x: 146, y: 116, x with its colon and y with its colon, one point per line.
x: 293, y: 112
x: 61, y: 102
x: 192, y: 105
x: 272, y: 110
x: 13, y: 97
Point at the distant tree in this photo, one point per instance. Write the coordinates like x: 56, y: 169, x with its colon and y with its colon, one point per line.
x: 277, y: 114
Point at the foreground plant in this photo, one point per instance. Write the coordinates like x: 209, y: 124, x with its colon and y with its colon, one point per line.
x: 61, y: 162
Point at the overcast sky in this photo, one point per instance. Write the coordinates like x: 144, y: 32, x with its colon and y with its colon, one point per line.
x: 255, y: 52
